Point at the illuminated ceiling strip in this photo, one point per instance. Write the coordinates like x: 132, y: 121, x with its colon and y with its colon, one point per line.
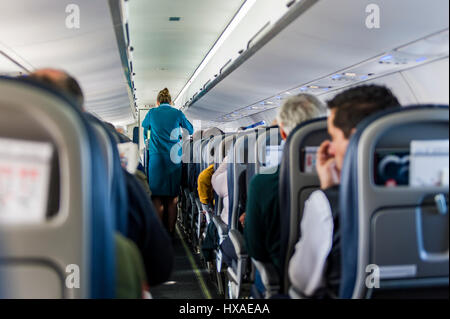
x: 230, y: 28
x: 14, y: 61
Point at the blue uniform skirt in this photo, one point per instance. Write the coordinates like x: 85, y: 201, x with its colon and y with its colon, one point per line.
x: 164, y: 176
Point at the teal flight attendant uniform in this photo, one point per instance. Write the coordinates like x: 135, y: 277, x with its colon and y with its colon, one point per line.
x: 164, y: 170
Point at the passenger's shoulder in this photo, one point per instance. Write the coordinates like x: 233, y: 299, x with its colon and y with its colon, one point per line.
x: 263, y: 180
x: 318, y: 203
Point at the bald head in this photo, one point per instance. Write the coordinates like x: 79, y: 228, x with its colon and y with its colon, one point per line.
x: 61, y: 81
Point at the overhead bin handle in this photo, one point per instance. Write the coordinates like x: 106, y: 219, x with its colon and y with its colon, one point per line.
x: 257, y: 34
x: 290, y: 3
x: 225, y: 65
x: 441, y: 204
x: 204, y: 85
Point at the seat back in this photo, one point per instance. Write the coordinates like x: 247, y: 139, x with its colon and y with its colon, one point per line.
x: 213, y: 148
x: 186, y: 162
x: 136, y: 135
x: 237, y: 180
x: 41, y: 259
x: 116, y: 190
x: 296, y: 184
x: 266, y: 139
x: 399, y: 233
x: 204, y: 154
x: 196, y: 149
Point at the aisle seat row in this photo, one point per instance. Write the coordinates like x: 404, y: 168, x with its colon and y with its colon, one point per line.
x: 402, y: 230
x: 80, y: 245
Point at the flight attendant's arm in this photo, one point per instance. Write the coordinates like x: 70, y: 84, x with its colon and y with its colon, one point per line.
x: 186, y: 124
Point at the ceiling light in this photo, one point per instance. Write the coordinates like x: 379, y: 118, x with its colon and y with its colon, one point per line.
x: 230, y: 28
x: 351, y: 74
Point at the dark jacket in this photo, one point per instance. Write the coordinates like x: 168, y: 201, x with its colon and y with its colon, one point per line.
x: 147, y: 231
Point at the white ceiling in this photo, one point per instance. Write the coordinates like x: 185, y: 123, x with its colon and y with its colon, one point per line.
x: 328, y: 37
x: 166, y: 54
x: 35, y: 34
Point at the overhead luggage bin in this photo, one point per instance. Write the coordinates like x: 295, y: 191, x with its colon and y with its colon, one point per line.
x: 300, y: 49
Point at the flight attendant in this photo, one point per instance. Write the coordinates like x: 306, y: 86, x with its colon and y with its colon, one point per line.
x: 164, y: 166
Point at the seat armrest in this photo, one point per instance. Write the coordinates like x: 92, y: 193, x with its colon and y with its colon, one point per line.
x: 238, y: 242
x: 269, y: 277
x: 295, y: 294
x: 199, y: 204
x: 222, y: 228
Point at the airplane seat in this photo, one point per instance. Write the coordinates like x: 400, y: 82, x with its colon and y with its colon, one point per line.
x: 136, y: 135
x: 394, y: 240
x: 196, y: 205
x: 268, y: 138
x: 70, y: 254
x: 186, y: 182
x: 225, y: 147
x: 193, y: 194
x: 297, y: 181
x: 242, y: 152
x: 117, y: 192
x: 211, y: 158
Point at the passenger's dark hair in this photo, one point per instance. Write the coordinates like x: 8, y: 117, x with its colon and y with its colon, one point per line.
x: 355, y: 104
x: 164, y: 97
x: 74, y: 89
x: 68, y: 85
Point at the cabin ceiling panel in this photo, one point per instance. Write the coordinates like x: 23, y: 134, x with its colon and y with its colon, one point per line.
x: 328, y: 37
x: 35, y: 33
x: 167, y: 53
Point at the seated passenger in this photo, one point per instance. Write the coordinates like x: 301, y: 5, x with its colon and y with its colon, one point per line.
x: 206, y: 195
x: 314, y: 269
x: 262, y: 220
x: 205, y: 190
x: 61, y: 81
x: 205, y: 186
x: 220, y: 185
x: 131, y: 281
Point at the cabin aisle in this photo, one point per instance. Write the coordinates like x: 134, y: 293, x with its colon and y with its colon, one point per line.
x: 187, y: 281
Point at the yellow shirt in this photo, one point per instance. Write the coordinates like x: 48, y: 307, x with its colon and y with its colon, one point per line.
x: 205, y: 189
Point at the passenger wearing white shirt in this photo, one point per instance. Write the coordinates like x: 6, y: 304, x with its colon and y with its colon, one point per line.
x: 315, y: 266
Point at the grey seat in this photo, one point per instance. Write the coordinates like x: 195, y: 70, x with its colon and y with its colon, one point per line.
x: 295, y: 186
x: 269, y: 137
x: 36, y: 259
x: 403, y: 230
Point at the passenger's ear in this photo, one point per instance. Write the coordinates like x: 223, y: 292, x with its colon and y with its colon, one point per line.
x: 283, y: 133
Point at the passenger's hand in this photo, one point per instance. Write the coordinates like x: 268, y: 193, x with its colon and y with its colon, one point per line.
x: 242, y: 219
x: 326, y: 166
